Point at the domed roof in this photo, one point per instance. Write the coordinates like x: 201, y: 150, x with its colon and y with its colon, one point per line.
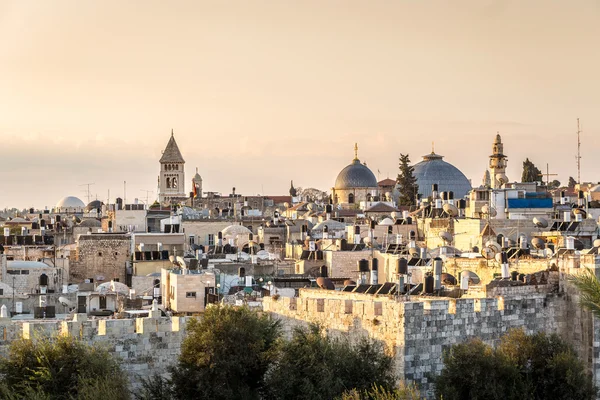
x: 595, y: 188
x: 235, y: 230
x: 70, y: 202
x: 94, y: 205
x: 355, y: 175
x: 433, y: 169
x: 90, y: 223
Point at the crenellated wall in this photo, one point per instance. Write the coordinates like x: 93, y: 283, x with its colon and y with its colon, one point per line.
x: 417, y: 330
x: 145, y: 346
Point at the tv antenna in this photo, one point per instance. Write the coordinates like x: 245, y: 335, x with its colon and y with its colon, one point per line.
x: 547, y: 175
x: 88, y: 194
x: 578, y: 153
x: 147, y: 194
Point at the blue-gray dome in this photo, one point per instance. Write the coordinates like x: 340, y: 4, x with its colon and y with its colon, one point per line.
x: 433, y: 169
x: 355, y: 175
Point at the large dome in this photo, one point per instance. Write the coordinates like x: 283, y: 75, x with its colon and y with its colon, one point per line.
x: 433, y: 169
x: 355, y: 175
x: 70, y: 202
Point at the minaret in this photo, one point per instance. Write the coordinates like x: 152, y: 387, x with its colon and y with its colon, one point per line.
x: 498, y: 164
x: 197, y: 185
x: 172, y: 175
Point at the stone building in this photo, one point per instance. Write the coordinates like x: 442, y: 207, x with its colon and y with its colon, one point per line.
x: 171, y: 181
x: 354, y: 184
x: 187, y: 291
x: 101, y: 257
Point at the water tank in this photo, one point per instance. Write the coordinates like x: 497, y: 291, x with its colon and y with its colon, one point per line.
x: 514, y: 275
x: 402, y: 266
x: 242, y: 272
x: 451, y: 195
x: 374, y: 272
x: 567, y: 216
x: 323, y: 271
x: 363, y: 265
x: 434, y: 187
x: 356, y: 229
x: 429, y: 281
x: 570, y: 243
x: 43, y: 280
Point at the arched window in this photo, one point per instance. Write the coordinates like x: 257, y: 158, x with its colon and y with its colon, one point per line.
x: 174, y: 183
x: 168, y: 183
x: 369, y: 197
x: 351, y: 198
x: 336, y: 199
x: 177, y: 167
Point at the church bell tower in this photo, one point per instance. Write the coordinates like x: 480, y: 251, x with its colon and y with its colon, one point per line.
x: 171, y: 181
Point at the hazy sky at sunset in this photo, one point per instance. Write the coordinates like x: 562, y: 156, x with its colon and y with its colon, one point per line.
x: 261, y: 92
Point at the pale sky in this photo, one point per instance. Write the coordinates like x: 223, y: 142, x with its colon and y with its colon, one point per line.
x: 262, y: 92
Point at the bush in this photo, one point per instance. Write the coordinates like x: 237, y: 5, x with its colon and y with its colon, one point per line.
x: 524, y: 367
x: 314, y: 366
x: 225, y: 355
x: 60, y: 368
x: 378, y: 393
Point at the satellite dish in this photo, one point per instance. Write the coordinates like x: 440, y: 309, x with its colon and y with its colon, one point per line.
x: 597, y: 243
x: 181, y: 262
x: 66, y: 302
x: 580, y: 211
x: 349, y: 282
x: 325, y: 283
x: 538, y: 243
x: 488, y: 253
x: 493, y: 245
x: 540, y: 222
x: 394, y: 215
x: 446, y: 236
x: 172, y: 258
x: 491, y: 211
x: 413, y: 251
x: 502, y: 178
x: 450, y: 209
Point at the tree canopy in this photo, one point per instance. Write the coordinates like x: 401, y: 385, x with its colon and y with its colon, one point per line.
x: 225, y: 355
x: 530, y: 172
x: 407, y: 182
x: 314, y: 366
x: 533, y: 367
x: 572, y: 183
x: 60, y: 368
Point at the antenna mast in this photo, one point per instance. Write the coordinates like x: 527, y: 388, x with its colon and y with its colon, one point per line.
x: 89, y: 195
x: 578, y: 154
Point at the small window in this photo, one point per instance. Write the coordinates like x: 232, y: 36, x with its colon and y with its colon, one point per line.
x: 190, y: 295
x: 13, y: 272
x: 1, y: 292
x: 351, y: 198
x: 99, y: 254
x: 24, y: 272
x: 211, y: 239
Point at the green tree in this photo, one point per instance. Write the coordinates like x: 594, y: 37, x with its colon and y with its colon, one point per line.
x: 530, y: 172
x: 404, y: 392
x: 589, y: 290
x: 555, y: 184
x: 533, y: 367
x: 225, y: 355
x: 60, y: 368
x: 314, y: 366
x: 407, y: 183
x: 572, y: 183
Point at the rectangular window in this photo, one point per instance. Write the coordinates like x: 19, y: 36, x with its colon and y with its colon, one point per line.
x: 190, y: 295
x: 211, y: 239
x: 13, y: 272
x: 192, y: 240
x: 24, y: 272
x: 320, y: 305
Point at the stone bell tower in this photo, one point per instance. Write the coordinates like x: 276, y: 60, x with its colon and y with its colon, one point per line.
x: 171, y: 181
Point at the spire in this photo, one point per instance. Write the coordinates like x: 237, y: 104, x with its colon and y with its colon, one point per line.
x: 432, y: 147
x: 172, y: 134
x: 171, y: 154
x: 355, y: 151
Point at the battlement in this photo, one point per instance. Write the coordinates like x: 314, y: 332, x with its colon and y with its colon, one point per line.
x: 145, y: 346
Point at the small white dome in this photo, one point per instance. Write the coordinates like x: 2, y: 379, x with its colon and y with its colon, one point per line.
x: 70, y: 202
x: 235, y: 230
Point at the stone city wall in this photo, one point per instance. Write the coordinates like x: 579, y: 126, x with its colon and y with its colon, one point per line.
x: 417, y: 330
x: 145, y: 346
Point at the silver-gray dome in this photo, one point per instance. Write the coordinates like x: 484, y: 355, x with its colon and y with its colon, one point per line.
x: 433, y: 169
x: 355, y: 175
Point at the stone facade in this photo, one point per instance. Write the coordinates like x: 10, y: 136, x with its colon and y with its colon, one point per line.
x: 145, y: 346
x: 417, y: 330
x: 101, y: 257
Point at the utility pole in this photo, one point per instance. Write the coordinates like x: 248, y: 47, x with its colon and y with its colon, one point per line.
x: 578, y: 153
x: 89, y: 195
x: 547, y: 175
